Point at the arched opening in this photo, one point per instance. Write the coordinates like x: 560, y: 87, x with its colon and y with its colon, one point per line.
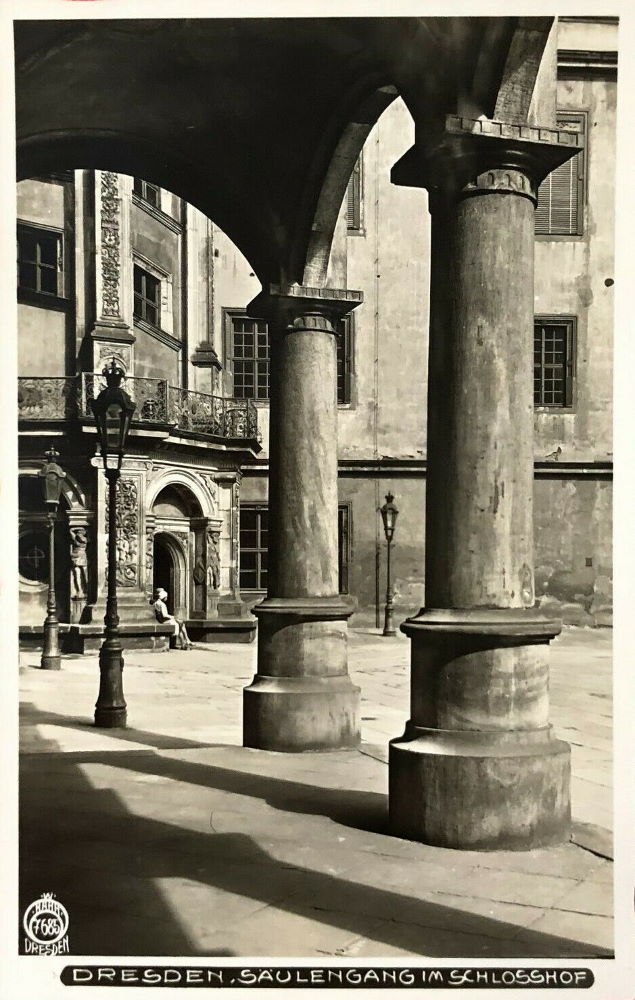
x: 165, y: 570
x: 176, y: 500
x: 170, y: 572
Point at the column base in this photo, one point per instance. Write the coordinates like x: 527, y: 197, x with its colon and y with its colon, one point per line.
x: 51, y: 661
x: 480, y: 791
x: 301, y: 713
x: 302, y: 697
x: 111, y: 718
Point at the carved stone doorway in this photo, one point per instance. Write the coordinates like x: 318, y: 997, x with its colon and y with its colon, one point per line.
x: 170, y: 572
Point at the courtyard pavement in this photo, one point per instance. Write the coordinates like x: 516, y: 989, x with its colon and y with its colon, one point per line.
x: 169, y: 838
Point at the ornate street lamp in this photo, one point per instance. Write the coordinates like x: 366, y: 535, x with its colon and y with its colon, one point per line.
x: 389, y: 514
x: 52, y: 476
x: 113, y: 411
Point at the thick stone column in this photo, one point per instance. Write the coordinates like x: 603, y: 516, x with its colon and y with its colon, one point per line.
x: 478, y: 766
x: 302, y: 697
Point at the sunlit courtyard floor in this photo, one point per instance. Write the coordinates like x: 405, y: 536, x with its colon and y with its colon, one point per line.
x: 169, y: 838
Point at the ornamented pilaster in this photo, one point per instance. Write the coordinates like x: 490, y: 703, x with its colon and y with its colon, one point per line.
x: 112, y: 336
x: 150, y: 527
x: 231, y: 604
x: 127, y: 532
x: 82, y: 581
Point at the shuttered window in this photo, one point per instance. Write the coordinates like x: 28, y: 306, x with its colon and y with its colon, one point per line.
x: 354, y: 199
x: 554, y: 361
x: 560, y: 209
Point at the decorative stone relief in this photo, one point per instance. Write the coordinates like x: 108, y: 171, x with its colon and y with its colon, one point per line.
x: 120, y: 352
x: 149, y: 555
x: 504, y: 179
x: 79, y: 561
x: 110, y: 245
x: 212, y: 488
x: 127, y: 532
x: 213, y: 559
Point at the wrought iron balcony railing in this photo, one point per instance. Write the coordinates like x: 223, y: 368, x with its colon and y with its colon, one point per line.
x: 43, y: 398
x: 157, y: 402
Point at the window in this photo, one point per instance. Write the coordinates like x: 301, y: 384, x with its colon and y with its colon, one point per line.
x: 33, y: 557
x: 149, y: 192
x: 560, y: 209
x: 354, y: 199
x: 40, y: 260
x: 253, y: 547
x: 250, y: 358
x: 254, y: 526
x: 344, y: 360
x: 147, y: 296
x: 554, y: 357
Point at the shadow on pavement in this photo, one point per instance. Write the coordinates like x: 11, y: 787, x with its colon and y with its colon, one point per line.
x: 83, y: 844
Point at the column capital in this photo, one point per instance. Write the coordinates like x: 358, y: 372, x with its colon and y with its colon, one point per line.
x: 472, y: 156
x: 286, y: 304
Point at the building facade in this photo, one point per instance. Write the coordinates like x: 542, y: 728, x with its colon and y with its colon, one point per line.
x: 112, y: 266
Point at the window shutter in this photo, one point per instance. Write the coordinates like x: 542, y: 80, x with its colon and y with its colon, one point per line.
x: 354, y: 198
x: 560, y: 196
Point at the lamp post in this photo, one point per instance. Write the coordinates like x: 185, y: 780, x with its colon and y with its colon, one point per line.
x: 52, y: 476
x: 389, y: 515
x: 113, y: 411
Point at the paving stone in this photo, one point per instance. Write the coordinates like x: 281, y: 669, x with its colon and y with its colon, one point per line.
x: 171, y: 838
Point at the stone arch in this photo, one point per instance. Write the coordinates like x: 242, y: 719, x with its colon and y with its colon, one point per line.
x: 40, y: 153
x: 344, y: 138
x: 185, y: 479
x: 72, y: 492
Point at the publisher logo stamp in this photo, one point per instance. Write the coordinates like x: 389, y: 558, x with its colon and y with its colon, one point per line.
x: 45, y: 924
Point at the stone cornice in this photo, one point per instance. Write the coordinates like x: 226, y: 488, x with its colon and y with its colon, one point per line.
x: 468, y: 150
x: 417, y: 467
x: 594, y: 61
x: 292, y: 300
x: 156, y: 213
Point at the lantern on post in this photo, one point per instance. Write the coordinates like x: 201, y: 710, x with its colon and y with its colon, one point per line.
x: 113, y: 410
x: 389, y: 514
x: 52, y: 476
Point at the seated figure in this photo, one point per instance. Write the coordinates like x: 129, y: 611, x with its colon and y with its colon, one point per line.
x: 164, y: 617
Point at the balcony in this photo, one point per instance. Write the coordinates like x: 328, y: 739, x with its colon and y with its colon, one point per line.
x: 158, y: 404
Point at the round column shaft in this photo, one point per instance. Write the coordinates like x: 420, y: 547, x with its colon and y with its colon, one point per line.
x: 302, y: 697
x: 478, y: 767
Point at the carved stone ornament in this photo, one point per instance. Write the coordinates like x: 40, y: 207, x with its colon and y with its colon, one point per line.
x: 120, y: 352
x: 149, y: 564
x: 213, y: 559
x: 79, y: 561
x: 110, y: 245
x: 127, y: 532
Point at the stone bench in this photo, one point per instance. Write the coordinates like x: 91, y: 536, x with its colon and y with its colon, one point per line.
x: 88, y: 638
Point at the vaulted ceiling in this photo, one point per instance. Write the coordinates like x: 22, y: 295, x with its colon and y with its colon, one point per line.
x: 257, y: 122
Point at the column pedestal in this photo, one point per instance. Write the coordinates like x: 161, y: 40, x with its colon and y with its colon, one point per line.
x: 302, y: 697
x: 480, y: 768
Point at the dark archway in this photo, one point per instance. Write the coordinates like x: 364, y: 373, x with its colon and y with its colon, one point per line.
x: 165, y: 570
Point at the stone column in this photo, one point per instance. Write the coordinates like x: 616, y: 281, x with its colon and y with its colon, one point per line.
x: 302, y: 697
x: 478, y: 766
